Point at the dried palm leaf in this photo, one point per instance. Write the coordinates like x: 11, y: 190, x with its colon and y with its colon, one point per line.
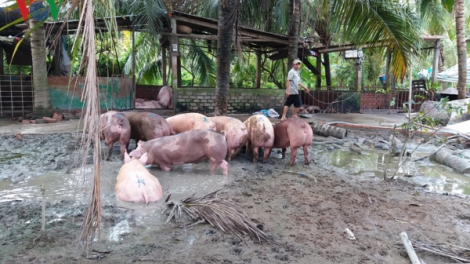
x: 221, y: 213
x: 91, y: 127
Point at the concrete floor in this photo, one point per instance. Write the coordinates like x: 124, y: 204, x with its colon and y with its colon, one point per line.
x: 385, y: 120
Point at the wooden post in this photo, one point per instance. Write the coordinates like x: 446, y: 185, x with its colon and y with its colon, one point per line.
x: 57, y: 52
x: 435, y: 64
x: 258, y: 69
x: 174, y: 55
x: 178, y: 70
x: 2, y: 70
x: 358, y: 74
x: 165, y: 81
x: 318, y: 82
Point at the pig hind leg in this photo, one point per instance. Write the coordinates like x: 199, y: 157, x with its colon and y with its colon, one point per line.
x: 255, y: 154
x: 284, y: 153
x: 293, y: 155
x: 110, y: 149
x: 222, y: 164
x: 267, y: 153
x: 306, y: 147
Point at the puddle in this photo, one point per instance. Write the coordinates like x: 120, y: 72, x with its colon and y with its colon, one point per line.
x: 140, y: 220
x: 434, y: 176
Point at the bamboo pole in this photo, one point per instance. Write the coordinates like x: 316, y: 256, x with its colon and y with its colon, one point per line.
x: 409, y: 248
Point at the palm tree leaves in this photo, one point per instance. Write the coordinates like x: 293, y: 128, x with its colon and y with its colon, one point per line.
x: 389, y: 22
x: 223, y: 214
x: 201, y: 64
x: 151, y: 15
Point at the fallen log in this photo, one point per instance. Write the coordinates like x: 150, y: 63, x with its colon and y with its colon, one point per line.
x: 446, y: 158
x: 327, y: 130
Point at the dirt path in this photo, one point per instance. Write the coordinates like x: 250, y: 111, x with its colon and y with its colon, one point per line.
x: 307, y: 217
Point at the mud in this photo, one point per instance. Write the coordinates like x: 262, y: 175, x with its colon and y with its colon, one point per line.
x: 307, y: 215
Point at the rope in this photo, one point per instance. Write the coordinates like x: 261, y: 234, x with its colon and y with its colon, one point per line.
x: 334, y: 101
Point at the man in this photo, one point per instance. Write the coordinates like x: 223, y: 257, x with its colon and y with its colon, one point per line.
x: 292, y: 90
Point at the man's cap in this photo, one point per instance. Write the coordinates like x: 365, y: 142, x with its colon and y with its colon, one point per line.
x: 297, y: 62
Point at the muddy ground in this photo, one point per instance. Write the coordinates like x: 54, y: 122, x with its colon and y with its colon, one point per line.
x: 307, y: 215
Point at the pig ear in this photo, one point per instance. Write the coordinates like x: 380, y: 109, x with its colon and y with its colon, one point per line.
x: 144, y: 158
x: 126, y: 157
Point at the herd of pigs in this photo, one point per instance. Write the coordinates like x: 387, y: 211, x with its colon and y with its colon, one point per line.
x: 191, y: 138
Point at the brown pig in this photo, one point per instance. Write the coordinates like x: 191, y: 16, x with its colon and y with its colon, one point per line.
x: 190, y: 121
x: 115, y: 128
x: 260, y: 134
x: 192, y: 146
x: 293, y: 133
x: 146, y: 126
x: 136, y: 184
x: 235, y: 133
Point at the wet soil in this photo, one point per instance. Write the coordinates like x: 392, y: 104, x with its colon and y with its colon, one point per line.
x: 307, y: 215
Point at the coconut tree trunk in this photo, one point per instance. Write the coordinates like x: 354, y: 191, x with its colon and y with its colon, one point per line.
x: 461, y: 47
x: 224, y: 52
x: 293, y: 32
x: 38, y: 52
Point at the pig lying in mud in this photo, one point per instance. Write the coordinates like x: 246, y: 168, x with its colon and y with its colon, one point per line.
x: 309, y: 109
x: 147, y: 126
x: 136, y: 184
x: 193, y: 146
x: 115, y: 128
x: 190, y: 121
x: 235, y: 133
x: 293, y: 133
x: 260, y: 134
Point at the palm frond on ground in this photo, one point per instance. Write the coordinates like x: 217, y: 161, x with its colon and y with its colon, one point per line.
x: 221, y: 213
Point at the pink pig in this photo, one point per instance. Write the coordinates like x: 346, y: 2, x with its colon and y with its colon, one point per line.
x: 136, y: 184
x: 235, y: 133
x: 260, y: 134
x: 192, y: 146
x: 293, y: 133
x: 190, y: 121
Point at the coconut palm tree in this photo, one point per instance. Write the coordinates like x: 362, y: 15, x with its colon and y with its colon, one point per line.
x: 228, y: 12
x: 461, y: 47
x: 42, y: 98
x: 293, y: 32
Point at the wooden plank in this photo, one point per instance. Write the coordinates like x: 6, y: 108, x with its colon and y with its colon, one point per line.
x: 241, y: 31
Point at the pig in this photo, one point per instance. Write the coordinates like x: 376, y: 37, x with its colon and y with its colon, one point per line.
x: 293, y: 133
x: 165, y: 96
x: 190, y: 121
x: 115, y: 128
x: 260, y: 134
x: 312, y: 108
x: 235, y: 133
x: 146, y: 126
x: 136, y: 184
x: 191, y: 146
